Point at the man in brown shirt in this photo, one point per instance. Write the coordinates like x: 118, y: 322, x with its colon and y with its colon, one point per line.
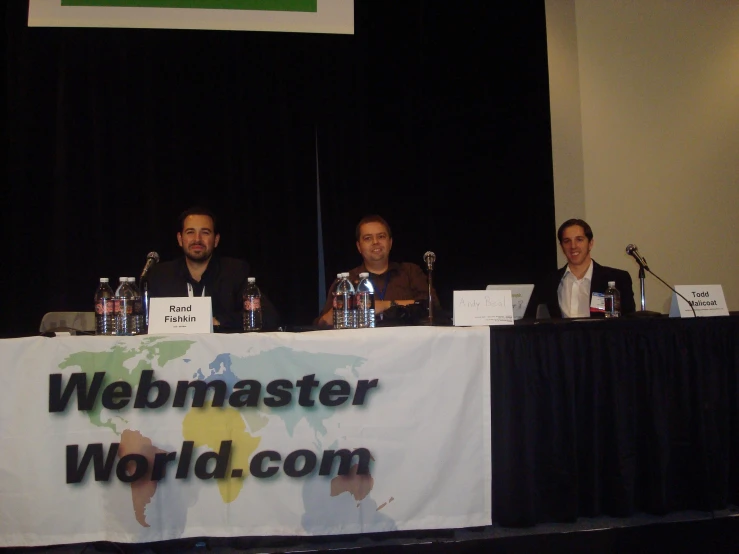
x: 395, y: 283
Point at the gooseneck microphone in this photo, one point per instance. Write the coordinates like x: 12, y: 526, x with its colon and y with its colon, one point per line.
x: 633, y: 251
x: 151, y: 259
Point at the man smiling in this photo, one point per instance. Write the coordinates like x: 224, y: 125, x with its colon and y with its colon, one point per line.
x: 202, y: 273
x: 394, y: 283
x: 569, y: 291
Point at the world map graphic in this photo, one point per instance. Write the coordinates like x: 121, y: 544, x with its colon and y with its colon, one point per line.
x: 334, y: 500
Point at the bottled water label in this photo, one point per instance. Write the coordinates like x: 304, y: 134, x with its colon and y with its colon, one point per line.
x: 343, y: 313
x: 252, y: 303
x: 104, y: 310
x: 105, y: 306
x: 339, y: 301
x: 365, y: 301
x: 123, y: 306
x: 252, y: 312
x: 124, y: 316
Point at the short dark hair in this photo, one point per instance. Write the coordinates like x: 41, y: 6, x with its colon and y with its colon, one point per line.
x: 373, y: 219
x: 572, y: 222
x: 197, y: 210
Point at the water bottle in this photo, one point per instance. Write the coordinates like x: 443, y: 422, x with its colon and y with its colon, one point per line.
x: 332, y: 296
x: 364, y: 299
x: 139, y: 327
x: 252, y: 306
x: 613, y: 300
x: 104, y: 308
x: 352, y: 304
x: 344, y: 304
x: 124, y: 299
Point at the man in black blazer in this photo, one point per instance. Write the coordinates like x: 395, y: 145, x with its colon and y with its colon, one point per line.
x: 568, y: 292
x: 200, y: 272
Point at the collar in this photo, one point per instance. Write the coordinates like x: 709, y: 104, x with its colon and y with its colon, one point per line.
x: 391, y: 267
x: 211, y: 269
x: 588, y: 274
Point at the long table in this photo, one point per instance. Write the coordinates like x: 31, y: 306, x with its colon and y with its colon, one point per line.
x: 614, y: 417
x: 586, y: 418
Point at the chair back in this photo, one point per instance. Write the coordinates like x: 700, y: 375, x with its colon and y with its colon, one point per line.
x: 68, y: 322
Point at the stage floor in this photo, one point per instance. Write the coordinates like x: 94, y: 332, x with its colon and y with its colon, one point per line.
x: 679, y: 532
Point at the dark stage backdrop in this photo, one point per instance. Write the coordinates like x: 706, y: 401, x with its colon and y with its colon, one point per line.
x: 434, y: 114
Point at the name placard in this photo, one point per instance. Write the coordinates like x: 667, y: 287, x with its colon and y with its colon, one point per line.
x: 180, y: 315
x: 707, y: 301
x: 482, y: 307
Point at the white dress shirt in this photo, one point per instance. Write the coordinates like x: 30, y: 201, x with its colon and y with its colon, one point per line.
x: 574, y: 293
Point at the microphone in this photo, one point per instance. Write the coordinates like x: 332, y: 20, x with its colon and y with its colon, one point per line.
x: 633, y: 251
x: 151, y: 259
x: 429, y: 257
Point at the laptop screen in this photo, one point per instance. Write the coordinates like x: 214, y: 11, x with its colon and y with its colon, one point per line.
x: 520, y: 295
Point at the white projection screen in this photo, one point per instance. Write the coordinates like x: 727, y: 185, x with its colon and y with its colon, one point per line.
x: 296, y: 16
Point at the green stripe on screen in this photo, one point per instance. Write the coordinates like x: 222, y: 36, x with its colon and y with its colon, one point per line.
x: 258, y: 5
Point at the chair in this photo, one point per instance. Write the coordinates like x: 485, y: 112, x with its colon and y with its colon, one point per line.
x: 68, y: 322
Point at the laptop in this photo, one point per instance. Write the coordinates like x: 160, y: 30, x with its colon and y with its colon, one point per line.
x: 520, y: 294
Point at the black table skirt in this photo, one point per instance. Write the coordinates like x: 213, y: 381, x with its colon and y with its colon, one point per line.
x: 614, y: 417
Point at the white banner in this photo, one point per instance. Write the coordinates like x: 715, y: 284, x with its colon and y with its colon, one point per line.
x: 138, y: 439
x: 296, y: 16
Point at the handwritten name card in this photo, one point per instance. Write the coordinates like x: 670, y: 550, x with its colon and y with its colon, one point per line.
x: 482, y: 307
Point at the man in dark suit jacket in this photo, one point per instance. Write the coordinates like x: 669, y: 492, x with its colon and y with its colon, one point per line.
x: 200, y: 272
x: 568, y: 292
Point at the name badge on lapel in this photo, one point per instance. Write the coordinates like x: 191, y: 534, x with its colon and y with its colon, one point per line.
x: 598, y: 303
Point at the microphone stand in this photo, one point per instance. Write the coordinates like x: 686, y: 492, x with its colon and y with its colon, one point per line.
x: 644, y: 312
x: 151, y: 259
x: 431, y: 300
x: 146, y: 302
x: 144, y: 287
x: 430, y: 258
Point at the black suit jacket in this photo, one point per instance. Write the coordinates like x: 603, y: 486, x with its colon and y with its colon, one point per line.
x: 224, y: 280
x: 545, y: 292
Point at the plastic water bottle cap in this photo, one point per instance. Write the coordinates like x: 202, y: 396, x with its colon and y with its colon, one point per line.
x: 252, y: 279
x: 363, y: 275
x: 103, y: 279
x: 612, y: 284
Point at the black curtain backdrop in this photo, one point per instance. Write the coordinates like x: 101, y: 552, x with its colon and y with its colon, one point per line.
x: 433, y: 114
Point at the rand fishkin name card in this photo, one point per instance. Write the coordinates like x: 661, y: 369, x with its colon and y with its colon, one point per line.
x: 181, y: 315
x: 482, y: 307
x: 707, y: 301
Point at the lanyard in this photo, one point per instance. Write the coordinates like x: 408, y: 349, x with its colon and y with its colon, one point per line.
x: 381, y: 295
x: 190, y: 291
